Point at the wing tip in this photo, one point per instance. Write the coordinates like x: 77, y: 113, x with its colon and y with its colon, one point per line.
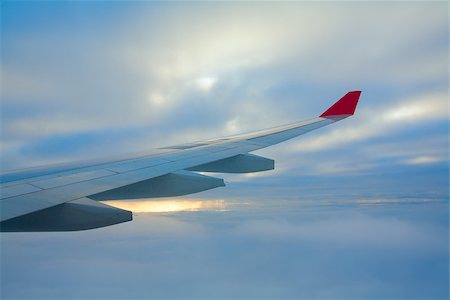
x: 345, y: 106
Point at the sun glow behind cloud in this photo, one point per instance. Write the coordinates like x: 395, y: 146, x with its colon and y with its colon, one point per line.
x: 206, y: 83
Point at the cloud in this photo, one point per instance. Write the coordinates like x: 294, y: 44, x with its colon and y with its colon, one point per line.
x: 423, y: 160
x: 26, y: 128
x: 21, y: 84
x: 206, y: 83
x: 428, y: 107
x: 353, y: 230
x: 289, y: 251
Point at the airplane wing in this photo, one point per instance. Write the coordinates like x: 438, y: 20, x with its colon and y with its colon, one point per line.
x: 66, y: 197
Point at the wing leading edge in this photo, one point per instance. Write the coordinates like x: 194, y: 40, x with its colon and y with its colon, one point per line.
x: 40, y: 199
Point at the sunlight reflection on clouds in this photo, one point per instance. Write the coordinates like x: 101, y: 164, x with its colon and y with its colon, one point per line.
x: 164, y: 206
x: 171, y: 205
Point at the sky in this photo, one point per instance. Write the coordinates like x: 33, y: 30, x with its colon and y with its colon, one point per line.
x: 356, y: 210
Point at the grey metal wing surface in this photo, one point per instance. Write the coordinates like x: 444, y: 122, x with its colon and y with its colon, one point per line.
x: 66, y: 197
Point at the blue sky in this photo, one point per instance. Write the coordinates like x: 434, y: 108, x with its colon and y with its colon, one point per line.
x: 82, y: 80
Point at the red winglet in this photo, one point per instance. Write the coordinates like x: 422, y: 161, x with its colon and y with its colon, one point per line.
x: 344, y: 106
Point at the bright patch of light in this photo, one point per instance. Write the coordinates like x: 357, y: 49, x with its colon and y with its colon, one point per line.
x: 407, y: 112
x: 432, y: 106
x: 232, y: 126
x: 163, y: 206
x: 390, y: 201
x: 206, y: 83
x: 422, y: 160
x: 157, y: 99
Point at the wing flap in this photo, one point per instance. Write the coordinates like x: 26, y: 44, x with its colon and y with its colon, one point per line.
x: 169, y: 185
x: 242, y: 163
x: 80, y: 214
